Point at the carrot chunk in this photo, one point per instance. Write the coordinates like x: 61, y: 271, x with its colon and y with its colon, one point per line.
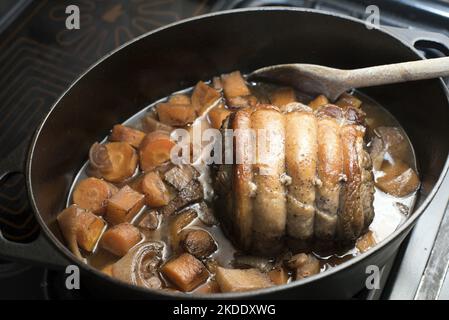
x: 120, y: 239
x: 150, y: 124
x: 217, y: 115
x: 365, y: 242
x: 209, y: 287
x: 203, y: 97
x: 177, y: 115
x: 234, y: 85
x: 92, y: 194
x: 124, y: 205
x: 186, y: 272
x: 124, y: 134
x: 155, y: 191
x: 80, y: 228
x: 278, y: 275
x: 114, y: 161
x: 238, y: 280
x: 179, y: 99
x: 155, y: 150
x: 319, y: 101
x: 283, y: 96
x: 348, y: 101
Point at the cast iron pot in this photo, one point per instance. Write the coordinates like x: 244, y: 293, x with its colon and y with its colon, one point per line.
x: 176, y: 57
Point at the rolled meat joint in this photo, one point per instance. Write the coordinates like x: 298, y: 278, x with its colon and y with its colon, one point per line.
x: 315, y: 183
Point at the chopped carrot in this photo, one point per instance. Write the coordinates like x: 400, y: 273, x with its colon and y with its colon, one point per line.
x: 203, y: 96
x: 120, y: 239
x: 177, y: 115
x: 210, y: 286
x: 124, y: 205
x: 123, y: 159
x: 155, y: 150
x: 283, y: 96
x: 278, y: 275
x: 80, y: 228
x: 179, y: 99
x: 242, y: 102
x: 124, y: 134
x: 150, y: 124
x: 365, y: 242
x: 107, y: 270
x: 217, y: 84
x: 238, y: 280
x: 319, y: 101
x: 92, y: 194
x: 348, y: 101
x: 155, y: 191
x: 186, y: 272
x: 234, y: 85
x: 306, y: 265
x: 217, y: 115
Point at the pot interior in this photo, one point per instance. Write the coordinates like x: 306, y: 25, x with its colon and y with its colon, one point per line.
x: 178, y: 56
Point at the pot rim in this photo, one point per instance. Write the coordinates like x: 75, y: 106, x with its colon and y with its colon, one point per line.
x: 250, y: 294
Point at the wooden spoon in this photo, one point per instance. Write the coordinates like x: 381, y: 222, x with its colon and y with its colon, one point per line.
x: 315, y: 79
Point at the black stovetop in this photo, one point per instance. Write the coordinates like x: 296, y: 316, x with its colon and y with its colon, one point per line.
x: 39, y: 58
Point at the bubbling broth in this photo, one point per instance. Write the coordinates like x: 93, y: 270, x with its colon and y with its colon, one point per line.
x: 187, y: 230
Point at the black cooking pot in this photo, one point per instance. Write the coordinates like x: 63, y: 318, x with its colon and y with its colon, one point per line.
x: 176, y: 57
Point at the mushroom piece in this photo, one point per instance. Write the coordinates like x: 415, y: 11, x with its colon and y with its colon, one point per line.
x: 389, y: 143
x: 140, y: 266
x: 398, y: 179
x: 199, y: 243
x: 150, y: 221
x: 191, y: 193
x: 80, y: 228
x: 177, y: 225
x: 180, y: 176
x: 261, y: 263
x: 114, y: 161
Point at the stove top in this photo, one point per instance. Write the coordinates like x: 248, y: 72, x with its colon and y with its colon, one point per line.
x: 39, y: 58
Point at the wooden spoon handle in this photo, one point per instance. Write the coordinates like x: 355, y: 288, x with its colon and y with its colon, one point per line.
x: 399, y: 72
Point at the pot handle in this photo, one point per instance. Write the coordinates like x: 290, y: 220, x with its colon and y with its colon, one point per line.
x: 436, y: 40
x: 40, y: 251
